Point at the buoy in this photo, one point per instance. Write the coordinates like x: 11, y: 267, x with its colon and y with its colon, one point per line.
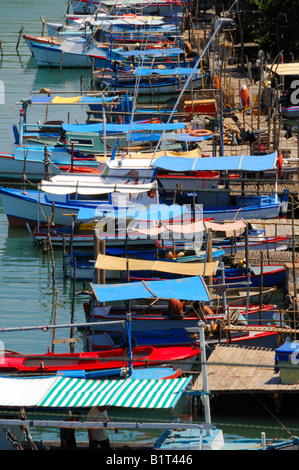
x: 244, y: 96
x: 200, y: 133
x: 279, y: 165
x: 216, y: 82
x: 187, y: 48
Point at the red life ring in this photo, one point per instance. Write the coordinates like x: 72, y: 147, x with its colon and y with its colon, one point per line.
x: 279, y: 165
x: 200, y: 133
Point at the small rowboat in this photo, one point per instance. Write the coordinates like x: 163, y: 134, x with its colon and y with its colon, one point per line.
x: 50, y: 363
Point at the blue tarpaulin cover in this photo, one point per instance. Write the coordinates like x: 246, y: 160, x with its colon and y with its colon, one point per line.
x: 136, y: 126
x: 231, y: 163
x: 190, y: 288
x: 153, y: 213
x: 142, y: 71
x: 167, y: 136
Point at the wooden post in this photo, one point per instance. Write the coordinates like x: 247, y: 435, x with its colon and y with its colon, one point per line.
x: 102, y: 271
x: 96, y: 253
x: 210, y: 255
x: 55, y: 321
x: 19, y: 38
x: 72, y: 332
x: 246, y: 250
x: 64, y: 255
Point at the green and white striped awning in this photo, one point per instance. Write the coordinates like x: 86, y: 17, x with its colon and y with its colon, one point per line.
x: 61, y: 392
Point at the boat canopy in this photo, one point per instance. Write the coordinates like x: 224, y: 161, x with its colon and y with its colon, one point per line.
x: 142, y: 2
x: 115, y: 263
x: 193, y: 228
x: 152, y: 137
x: 143, y: 71
x: 152, y: 52
x: 129, y: 21
x: 154, y: 213
x: 61, y: 392
x: 191, y: 288
x: 122, y: 128
x: 93, y: 185
x: 56, y: 99
x: 231, y: 163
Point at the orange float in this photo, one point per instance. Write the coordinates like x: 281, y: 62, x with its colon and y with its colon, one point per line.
x: 200, y: 133
x: 216, y: 82
x: 244, y: 96
x: 279, y: 165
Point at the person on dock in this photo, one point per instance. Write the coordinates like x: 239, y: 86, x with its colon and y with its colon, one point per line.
x: 98, y: 436
x: 67, y: 435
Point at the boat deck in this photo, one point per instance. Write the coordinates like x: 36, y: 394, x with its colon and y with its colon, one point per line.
x: 239, y: 369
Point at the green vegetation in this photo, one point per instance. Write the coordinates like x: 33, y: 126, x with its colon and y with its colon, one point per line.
x: 273, y: 24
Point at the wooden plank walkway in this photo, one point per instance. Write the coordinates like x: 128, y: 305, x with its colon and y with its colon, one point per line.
x: 241, y: 369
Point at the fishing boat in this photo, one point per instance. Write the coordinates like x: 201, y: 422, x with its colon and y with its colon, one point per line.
x: 148, y: 81
x: 290, y: 112
x: 95, y: 47
x: 219, y: 204
x: 62, y: 197
x: 54, y: 147
x: 141, y: 269
x: 71, y: 52
x: 166, y: 8
x: 14, y: 363
x: 38, y: 148
x: 165, y: 319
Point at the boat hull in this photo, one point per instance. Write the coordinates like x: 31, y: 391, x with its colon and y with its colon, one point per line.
x: 51, y: 363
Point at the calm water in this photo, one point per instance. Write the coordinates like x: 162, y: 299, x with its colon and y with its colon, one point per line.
x: 27, y: 293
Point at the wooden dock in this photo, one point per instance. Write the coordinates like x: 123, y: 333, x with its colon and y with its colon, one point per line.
x: 243, y: 369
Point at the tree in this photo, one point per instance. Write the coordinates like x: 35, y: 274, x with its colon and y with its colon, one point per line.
x: 273, y: 24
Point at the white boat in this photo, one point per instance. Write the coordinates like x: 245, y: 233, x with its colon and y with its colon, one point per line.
x: 70, y: 52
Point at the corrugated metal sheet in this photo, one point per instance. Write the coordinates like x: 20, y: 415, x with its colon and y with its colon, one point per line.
x: 71, y: 392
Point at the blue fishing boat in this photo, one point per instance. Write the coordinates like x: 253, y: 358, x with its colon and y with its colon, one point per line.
x: 149, y: 80
x: 220, y: 204
x: 63, y: 196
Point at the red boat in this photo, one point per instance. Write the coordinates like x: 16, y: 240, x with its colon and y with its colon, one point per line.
x: 51, y: 363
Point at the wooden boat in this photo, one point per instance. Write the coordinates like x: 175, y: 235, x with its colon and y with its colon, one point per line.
x: 91, y: 192
x: 290, y: 112
x: 156, y: 323
x: 73, y: 52
x: 52, y: 363
x: 149, y: 80
x: 270, y: 275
